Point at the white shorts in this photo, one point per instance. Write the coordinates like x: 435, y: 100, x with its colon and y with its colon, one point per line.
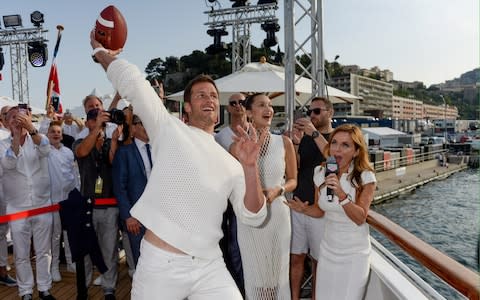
x: 307, y: 233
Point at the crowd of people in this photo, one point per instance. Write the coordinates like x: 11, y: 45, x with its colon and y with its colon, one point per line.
x: 171, y: 189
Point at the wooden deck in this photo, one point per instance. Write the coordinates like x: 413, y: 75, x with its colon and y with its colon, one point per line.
x: 67, y: 290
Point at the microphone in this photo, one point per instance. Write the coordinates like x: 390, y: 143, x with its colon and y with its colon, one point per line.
x: 332, y: 168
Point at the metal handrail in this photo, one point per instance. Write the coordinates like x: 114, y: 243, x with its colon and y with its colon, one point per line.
x: 401, y: 161
x: 452, y: 272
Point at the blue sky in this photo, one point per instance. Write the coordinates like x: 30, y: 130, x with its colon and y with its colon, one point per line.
x: 425, y: 40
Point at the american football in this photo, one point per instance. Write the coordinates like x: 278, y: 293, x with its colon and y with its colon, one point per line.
x: 111, y: 28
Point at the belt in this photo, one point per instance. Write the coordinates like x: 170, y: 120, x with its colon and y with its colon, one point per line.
x: 105, y: 201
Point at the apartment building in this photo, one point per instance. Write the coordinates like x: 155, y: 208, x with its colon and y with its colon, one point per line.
x: 376, y: 96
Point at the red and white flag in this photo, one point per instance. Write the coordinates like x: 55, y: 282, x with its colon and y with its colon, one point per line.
x: 53, y: 91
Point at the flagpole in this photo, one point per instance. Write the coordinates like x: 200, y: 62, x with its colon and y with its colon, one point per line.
x: 50, y: 83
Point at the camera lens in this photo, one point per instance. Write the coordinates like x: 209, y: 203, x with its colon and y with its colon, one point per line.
x: 117, y: 116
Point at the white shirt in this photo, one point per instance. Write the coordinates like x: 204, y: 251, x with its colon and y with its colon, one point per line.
x: 44, y: 124
x: 25, y: 180
x: 142, y: 148
x: 193, y: 176
x: 71, y: 130
x: 224, y: 137
x: 63, y: 173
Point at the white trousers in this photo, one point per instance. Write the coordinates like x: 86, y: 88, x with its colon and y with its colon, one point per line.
x: 56, y: 245
x: 40, y: 227
x: 3, y: 238
x: 176, y: 277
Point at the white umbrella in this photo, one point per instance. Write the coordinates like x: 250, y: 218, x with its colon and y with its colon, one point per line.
x: 265, y: 77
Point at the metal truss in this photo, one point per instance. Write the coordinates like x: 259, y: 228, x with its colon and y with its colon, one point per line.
x: 17, y: 40
x: 310, y: 12
x: 240, y: 19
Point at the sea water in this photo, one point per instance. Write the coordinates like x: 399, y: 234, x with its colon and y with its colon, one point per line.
x: 443, y: 213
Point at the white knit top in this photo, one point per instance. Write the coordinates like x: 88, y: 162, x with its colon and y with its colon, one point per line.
x: 192, y: 178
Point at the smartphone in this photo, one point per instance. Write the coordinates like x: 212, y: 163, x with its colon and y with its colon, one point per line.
x: 55, y: 102
x: 23, y: 108
x: 299, y: 114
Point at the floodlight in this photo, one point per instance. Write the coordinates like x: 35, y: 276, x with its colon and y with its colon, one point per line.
x: 218, y: 46
x: 36, y: 18
x: 37, y: 53
x: 12, y: 21
x: 270, y: 28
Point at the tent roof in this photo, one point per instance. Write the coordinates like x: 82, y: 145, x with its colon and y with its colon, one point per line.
x: 265, y: 77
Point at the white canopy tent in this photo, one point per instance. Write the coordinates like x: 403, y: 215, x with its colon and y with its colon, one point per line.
x: 4, y: 101
x: 265, y: 77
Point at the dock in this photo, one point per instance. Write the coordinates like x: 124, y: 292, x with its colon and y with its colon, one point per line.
x: 392, y: 183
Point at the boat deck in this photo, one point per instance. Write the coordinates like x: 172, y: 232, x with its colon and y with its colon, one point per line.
x: 67, y: 289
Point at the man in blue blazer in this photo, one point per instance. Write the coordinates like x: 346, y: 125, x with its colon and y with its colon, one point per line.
x: 132, y: 165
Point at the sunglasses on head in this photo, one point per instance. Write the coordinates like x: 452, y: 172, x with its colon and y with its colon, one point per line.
x: 235, y: 103
x: 317, y: 111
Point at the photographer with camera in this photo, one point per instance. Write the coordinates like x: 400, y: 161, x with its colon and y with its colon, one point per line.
x: 94, y: 154
x: 90, y: 102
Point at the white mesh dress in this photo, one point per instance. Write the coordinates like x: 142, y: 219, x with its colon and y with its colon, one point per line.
x: 266, y: 249
x: 343, y: 263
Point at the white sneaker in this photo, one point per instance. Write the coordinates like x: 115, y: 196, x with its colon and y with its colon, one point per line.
x: 98, y: 280
x: 56, y: 277
x: 72, y: 268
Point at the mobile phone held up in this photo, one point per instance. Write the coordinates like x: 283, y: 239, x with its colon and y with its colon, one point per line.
x: 300, y: 113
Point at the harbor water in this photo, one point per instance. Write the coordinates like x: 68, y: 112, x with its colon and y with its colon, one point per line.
x: 443, y: 213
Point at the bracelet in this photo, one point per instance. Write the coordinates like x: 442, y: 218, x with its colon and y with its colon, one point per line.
x: 282, y: 190
x: 96, y: 50
x: 345, y: 201
x: 99, y: 49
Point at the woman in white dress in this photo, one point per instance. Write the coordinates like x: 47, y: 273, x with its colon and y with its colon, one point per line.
x: 343, y: 264
x: 265, y: 250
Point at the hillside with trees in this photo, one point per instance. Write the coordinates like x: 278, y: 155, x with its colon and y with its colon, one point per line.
x: 176, y: 72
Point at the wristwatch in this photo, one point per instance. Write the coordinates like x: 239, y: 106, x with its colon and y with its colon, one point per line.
x: 33, y: 132
x: 315, y: 134
x: 345, y: 201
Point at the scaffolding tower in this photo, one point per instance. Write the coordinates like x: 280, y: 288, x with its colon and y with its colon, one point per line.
x: 311, y: 13
x: 17, y: 39
x: 240, y: 19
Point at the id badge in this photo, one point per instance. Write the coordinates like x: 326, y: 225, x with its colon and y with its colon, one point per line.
x: 98, y: 185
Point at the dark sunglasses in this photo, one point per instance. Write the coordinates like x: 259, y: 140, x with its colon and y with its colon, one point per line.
x: 138, y: 123
x: 317, y: 111
x: 235, y: 103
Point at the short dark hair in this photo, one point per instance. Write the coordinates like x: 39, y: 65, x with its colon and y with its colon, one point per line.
x: 326, y: 101
x: 187, y: 93
x: 85, y: 100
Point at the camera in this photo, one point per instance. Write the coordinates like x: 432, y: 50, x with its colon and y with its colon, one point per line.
x: 117, y: 116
